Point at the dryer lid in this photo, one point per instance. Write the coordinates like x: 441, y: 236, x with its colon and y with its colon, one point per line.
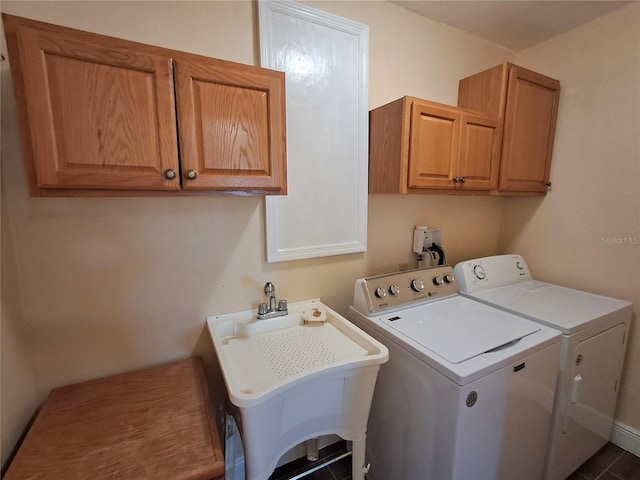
x: 559, y: 307
x: 458, y: 329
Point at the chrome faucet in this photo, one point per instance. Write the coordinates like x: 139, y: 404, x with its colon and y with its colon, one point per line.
x: 271, y: 310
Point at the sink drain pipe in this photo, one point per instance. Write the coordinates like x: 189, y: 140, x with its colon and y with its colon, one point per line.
x: 312, y: 449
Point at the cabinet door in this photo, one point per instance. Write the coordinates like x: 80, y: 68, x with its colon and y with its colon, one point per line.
x: 433, y: 145
x: 479, y: 158
x: 530, y: 118
x: 231, y: 125
x: 95, y: 112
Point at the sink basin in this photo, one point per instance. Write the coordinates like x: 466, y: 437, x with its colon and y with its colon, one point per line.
x: 293, y: 381
x: 259, y: 357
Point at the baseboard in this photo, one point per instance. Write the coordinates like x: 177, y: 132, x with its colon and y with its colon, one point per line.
x: 626, y: 437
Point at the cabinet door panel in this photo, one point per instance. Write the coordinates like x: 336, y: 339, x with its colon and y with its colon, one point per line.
x: 433, y: 146
x: 530, y: 117
x: 479, y: 152
x: 109, y: 108
x: 101, y: 115
x: 233, y: 128
x: 231, y: 125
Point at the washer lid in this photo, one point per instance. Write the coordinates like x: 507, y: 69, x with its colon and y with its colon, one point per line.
x: 459, y: 329
x: 559, y: 307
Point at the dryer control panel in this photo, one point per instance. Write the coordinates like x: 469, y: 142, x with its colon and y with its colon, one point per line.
x: 491, y: 272
x: 401, y: 289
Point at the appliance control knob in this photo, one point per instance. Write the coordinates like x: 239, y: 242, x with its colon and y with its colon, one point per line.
x: 394, y: 290
x: 437, y: 281
x: 381, y: 292
x: 417, y: 285
x: 519, y: 266
x: 448, y: 278
x: 479, y: 272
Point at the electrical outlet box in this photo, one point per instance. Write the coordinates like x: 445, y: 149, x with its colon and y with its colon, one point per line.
x: 424, y: 238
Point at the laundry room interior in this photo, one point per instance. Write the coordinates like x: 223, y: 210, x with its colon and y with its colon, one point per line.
x: 98, y: 285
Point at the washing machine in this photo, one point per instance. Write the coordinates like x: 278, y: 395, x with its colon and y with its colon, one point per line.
x: 594, y: 338
x: 468, y: 390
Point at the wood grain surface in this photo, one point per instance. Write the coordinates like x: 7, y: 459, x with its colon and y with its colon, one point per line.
x: 155, y: 423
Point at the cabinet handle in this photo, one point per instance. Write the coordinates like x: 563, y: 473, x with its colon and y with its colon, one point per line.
x: 548, y: 185
x: 462, y: 179
x: 170, y: 174
x: 191, y: 174
x: 459, y: 179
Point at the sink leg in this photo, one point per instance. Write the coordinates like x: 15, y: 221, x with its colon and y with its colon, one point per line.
x: 357, y: 459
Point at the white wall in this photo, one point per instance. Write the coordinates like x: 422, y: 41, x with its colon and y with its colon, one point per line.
x: 114, y: 284
x: 586, y: 232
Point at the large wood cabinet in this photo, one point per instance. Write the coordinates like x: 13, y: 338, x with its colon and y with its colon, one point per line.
x: 103, y: 114
x: 418, y: 146
x: 526, y: 106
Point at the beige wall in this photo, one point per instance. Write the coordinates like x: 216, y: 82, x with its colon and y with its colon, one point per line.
x: 18, y: 387
x: 570, y: 236
x: 113, y: 284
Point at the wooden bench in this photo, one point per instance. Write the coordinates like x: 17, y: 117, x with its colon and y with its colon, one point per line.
x: 155, y: 423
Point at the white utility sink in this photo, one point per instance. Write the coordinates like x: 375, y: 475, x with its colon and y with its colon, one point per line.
x: 293, y: 381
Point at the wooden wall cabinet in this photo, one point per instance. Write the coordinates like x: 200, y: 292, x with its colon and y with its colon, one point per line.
x: 103, y: 114
x: 526, y: 106
x: 418, y: 146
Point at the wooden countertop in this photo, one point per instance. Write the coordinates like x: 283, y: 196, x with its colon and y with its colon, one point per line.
x: 155, y: 423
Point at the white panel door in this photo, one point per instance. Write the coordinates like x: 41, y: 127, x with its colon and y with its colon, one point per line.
x: 325, y: 60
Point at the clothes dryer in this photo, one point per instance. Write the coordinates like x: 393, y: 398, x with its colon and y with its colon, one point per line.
x: 594, y: 338
x: 468, y: 390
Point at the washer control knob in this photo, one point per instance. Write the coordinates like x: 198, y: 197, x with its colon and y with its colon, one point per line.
x: 479, y: 272
x: 381, y: 292
x: 437, y: 281
x: 417, y: 285
x: 394, y: 290
x: 519, y: 266
x: 448, y: 278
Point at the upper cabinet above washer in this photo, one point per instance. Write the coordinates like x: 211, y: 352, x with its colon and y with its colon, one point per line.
x: 418, y: 146
x: 497, y: 141
x: 105, y: 116
x: 526, y: 106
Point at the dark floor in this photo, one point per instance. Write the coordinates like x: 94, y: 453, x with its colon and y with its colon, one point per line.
x: 610, y: 463
x: 340, y: 470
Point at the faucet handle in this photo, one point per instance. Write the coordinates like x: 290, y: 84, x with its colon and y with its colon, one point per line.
x: 262, y: 309
x: 269, y: 289
x: 282, y: 306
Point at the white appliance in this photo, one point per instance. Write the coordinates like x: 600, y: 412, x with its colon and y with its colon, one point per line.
x: 468, y: 390
x: 594, y: 337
